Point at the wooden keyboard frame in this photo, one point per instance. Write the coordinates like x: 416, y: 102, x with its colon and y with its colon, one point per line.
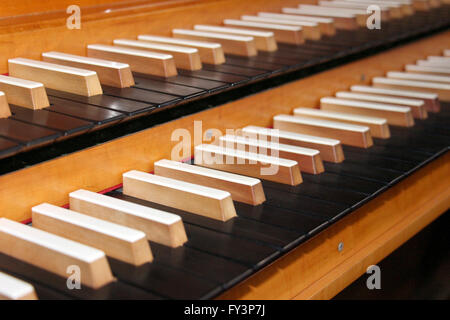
x: 369, y: 234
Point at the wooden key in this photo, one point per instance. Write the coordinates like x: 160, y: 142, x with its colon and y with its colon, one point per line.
x: 395, y: 115
x: 396, y: 9
x: 447, y: 53
x: 378, y: 126
x: 119, y: 242
x: 264, y: 41
x: 210, y: 52
x: 311, y: 30
x: 341, y: 20
x: 232, y: 44
x: 242, y: 188
x: 248, y: 163
x: 385, y: 13
x: 141, y: 61
x: 418, y: 77
x: 417, y: 106
x: 326, y: 25
x: 159, y: 226
x: 24, y: 93
x: 361, y: 15
x: 74, y: 80
x: 308, y: 159
x: 5, y: 112
x: 110, y: 73
x: 350, y: 134
x: 442, y: 89
x: 53, y: 253
x: 433, y: 63
x: 430, y: 99
x: 330, y: 149
x: 205, y: 201
x: 283, y: 33
x: 427, y: 70
x: 443, y: 60
x: 185, y: 58
x: 15, y: 289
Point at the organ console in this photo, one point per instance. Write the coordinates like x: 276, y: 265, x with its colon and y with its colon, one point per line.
x: 221, y: 149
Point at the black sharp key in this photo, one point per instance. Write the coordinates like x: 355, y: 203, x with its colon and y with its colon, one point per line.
x: 376, y: 161
x: 165, y: 281
x: 8, y: 147
x: 348, y: 197
x: 208, y: 85
x: 303, y: 204
x: 243, y: 62
x: 364, y: 171
x: 99, y: 116
x: 236, y: 227
x: 200, y: 264
x: 27, y: 134
x: 146, y: 96
x: 114, y: 290
x: 217, y: 76
x: 416, y: 141
x: 168, y: 88
x: 287, y: 219
x: 287, y: 61
x: 237, y: 70
x: 240, y: 250
x: 337, y: 181
x: 55, y: 121
x: 401, y: 153
x: 128, y: 107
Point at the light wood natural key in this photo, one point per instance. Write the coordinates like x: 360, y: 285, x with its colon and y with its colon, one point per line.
x: 114, y: 74
x: 350, y: 134
x: 54, y: 76
x: 232, y: 44
x: 378, y: 126
x: 248, y: 163
x: 185, y: 58
x: 433, y: 63
x: 385, y: 13
x: 326, y: 25
x: 119, y: 242
x: 264, y: 40
x: 209, y: 202
x: 311, y: 30
x: 210, y: 52
x: 361, y: 15
x: 308, y: 159
x: 159, y: 226
x: 53, y: 253
x: 5, y: 112
x: 243, y: 189
x: 418, y: 77
x: 400, y: 8
x: 395, y: 115
x: 430, y: 99
x: 12, y: 288
x: 330, y: 149
x: 417, y: 106
x: 283, y: 33
x: 142, y: 61
x: 24, y: 93
x: 442, y: 89
x: 427, y: 70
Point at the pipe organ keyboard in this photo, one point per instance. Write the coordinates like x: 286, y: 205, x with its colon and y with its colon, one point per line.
x: 300, y: 167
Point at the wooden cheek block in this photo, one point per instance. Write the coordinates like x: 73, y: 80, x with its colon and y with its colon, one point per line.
x: 243, y: 189
x: 205, y: 201
x: 53, y: 253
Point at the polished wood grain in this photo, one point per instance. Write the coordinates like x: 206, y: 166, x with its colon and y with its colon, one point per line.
x: 210, y: 52
x: 15, y: 289
x: 159, y: 226
x: 209, y: 202
x: 350, y: 134
x: 264, y: 40
x: 114, y: 74
x: 54, y: 76
x: 24, y: 93
x: 142, y: 61
x: 53, y: 253
x: 5, y: 112
x: 185, y: 58
x: 122, y: 243
x: 268, y: 167
x: 243, y: 189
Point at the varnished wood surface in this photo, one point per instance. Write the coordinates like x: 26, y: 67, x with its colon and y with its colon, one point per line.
x: 101, y: 166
